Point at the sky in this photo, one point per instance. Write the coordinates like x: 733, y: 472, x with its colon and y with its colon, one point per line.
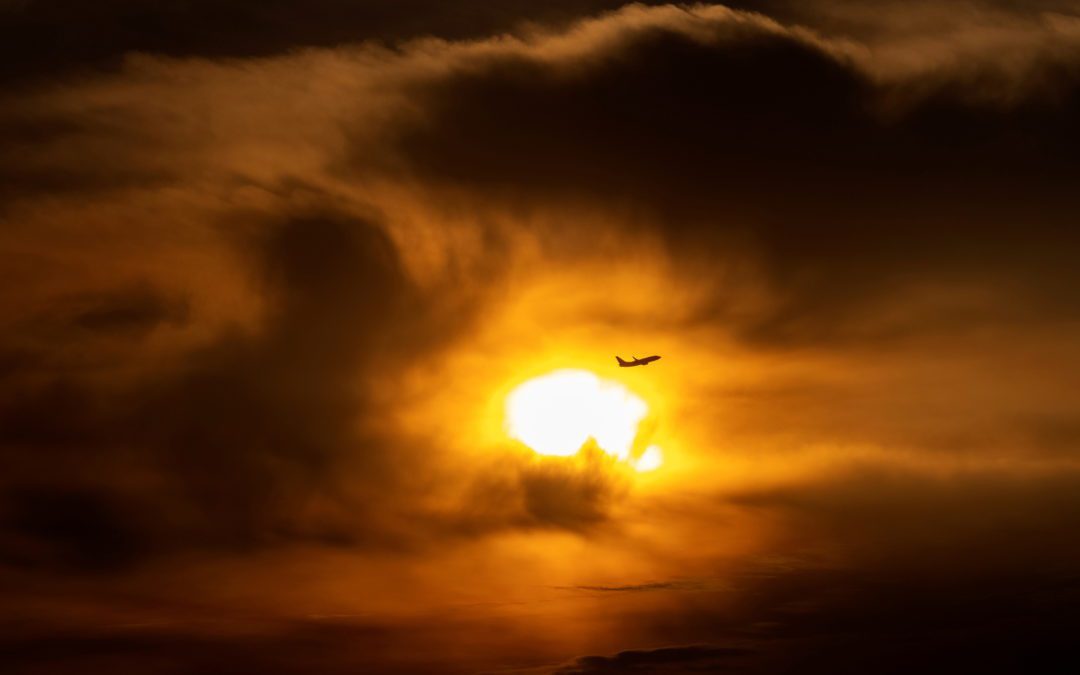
x: 309, y: 314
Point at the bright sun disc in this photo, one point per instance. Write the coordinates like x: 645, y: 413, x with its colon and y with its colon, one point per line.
x: 556, y: 414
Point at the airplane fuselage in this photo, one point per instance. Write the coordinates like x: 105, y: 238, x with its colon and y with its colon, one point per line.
x: 636, y: 361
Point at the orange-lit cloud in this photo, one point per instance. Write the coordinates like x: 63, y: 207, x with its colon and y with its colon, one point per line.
x: 307, y: 349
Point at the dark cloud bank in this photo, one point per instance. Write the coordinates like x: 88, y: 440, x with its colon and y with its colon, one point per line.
x: 856, y: 187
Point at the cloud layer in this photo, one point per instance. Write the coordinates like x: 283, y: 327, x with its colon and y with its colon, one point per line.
x: 266, y: 279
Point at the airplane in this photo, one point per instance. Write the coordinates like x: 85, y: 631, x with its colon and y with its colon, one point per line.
x: 637, y: 362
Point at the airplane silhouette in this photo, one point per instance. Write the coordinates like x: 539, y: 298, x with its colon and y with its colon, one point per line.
x: 637, y: 362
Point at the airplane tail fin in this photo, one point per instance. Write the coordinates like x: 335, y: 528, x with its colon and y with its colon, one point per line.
x: 621, y: 362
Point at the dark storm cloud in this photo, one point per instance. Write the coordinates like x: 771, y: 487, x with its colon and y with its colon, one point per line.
x: 63, y: 37
x: 665, y: 660
x: 278, y: 649
x: 952, y: 523
x: 633, y: 588
x: 70, y: 530
x: 252, y: 424
x: 50, y: 38
x: 850, y: 189
x: 848, y: 621
x: 895, y: 571
x: 249, y: 430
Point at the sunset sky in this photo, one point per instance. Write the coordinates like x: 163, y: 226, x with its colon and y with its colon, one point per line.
x: 309, y: 314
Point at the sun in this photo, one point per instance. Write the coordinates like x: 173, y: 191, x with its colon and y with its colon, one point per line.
x: 556, y: 414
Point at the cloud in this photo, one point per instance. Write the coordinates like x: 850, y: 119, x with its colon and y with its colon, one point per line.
x: 266, y: 283
x: 272, y: 647
x: 85, y: 531
x: 244, y: 426
x: 240, y: 28
x: 652, y: 586
x: 262, y: 436
x: 664, y: 660
x: 734, y: 134
x: 950, y: 522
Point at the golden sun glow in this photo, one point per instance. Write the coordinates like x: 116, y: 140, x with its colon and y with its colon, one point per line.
x: 558, y: 413
x: 651, y: 459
